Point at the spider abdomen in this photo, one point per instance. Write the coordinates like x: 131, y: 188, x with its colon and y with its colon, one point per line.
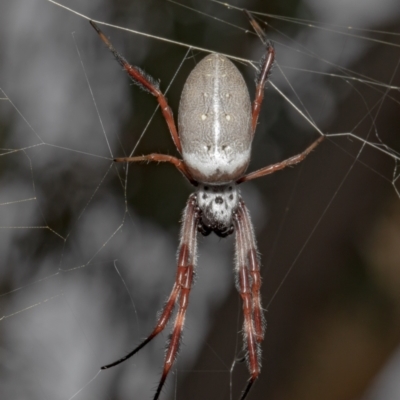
x: 214, y: 121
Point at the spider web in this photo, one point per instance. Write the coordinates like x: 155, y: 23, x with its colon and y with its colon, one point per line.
x: 88, y: 247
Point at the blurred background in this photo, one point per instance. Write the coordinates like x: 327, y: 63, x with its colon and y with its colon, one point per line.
x: 88, y: 247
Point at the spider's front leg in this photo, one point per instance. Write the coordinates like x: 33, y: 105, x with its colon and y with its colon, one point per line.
x: 248, y: 284
x: 180, y: 290
x: 186, y: 264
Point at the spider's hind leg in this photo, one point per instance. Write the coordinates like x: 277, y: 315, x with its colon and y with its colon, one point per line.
x: 147, y: 83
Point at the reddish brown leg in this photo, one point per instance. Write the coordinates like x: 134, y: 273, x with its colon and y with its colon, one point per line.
x: 252, y: 344
x: 267, y: 63
x: 254, y: 271
x: 161, y: 323
x: 179, y: 164
x: 187, y: 256
x: 283, y: 164
x: 257, y: 28
x: 173, y: 346
x: 147, y: 83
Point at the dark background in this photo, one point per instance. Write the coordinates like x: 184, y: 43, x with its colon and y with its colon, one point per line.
x: 86, y: 264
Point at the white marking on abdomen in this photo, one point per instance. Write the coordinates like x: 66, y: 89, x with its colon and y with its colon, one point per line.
x: 216, y: 109
x: 208, y: 165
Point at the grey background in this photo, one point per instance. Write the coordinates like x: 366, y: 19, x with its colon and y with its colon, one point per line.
x: 84, y: 287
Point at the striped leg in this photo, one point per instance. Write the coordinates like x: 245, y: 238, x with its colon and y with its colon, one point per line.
x: 181, y: 291
x: 186, y: 260
x: 248, y: 283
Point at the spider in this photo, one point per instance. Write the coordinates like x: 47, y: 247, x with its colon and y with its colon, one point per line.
x: 216, y: 123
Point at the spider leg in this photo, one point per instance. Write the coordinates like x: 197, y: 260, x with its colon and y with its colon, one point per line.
x: 254, y: 271
x: 161, y: 323
x: 259, y: 31
x: 246, y: 286
x: 175, y: 340
x: 179, y: 164
x: 267, y: 63
x: 147, y: 83
x: 270, y: 169
x: 186, y: 258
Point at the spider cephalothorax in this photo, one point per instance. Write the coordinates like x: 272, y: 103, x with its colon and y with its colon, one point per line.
x: 216, y: 123
x: 217, y: 203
